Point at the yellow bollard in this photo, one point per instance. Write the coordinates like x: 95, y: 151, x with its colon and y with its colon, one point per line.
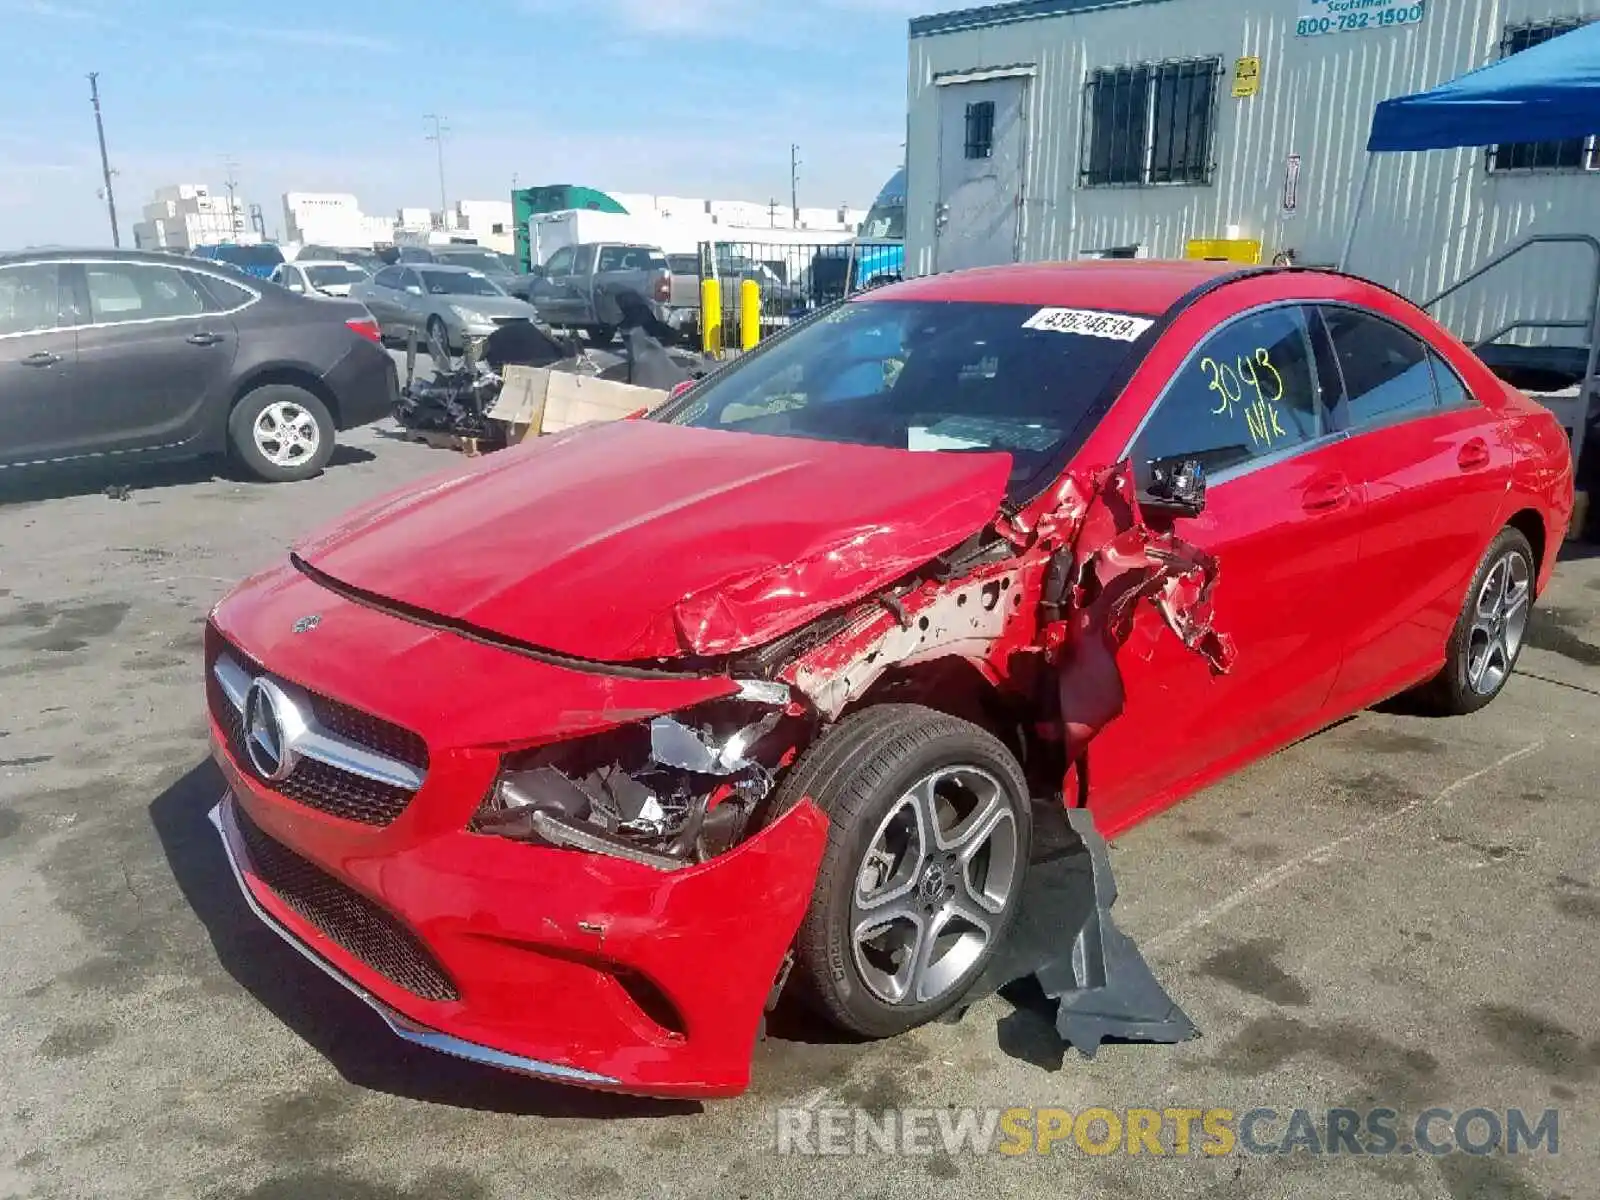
x: 749, y: 314
x: 711, y: 317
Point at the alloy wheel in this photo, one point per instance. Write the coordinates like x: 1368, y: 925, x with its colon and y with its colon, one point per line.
x: 286, y: 434
x: 933, y: 888
x: 1499, y: 623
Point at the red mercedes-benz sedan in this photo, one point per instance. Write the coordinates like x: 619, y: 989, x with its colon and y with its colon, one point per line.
x: 563, y: 760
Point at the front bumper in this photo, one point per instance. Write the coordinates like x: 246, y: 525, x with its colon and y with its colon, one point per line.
x: 225, y: 819
x: 558, y: 963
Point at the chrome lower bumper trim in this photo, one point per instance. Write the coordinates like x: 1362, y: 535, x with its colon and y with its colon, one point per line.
x: 232, y: 844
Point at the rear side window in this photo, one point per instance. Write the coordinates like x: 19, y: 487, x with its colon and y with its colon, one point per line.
x: 612, y: 258
x: 1251, y: 391
x: 1452, y: 392
x: 134, y: 292
x: 30, y: 299
x: 226, y: 296
x: 1387, y: 373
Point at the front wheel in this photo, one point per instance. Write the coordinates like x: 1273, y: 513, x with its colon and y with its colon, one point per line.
x: 281, y: 433
x: 1489, y: 633
x: 929, y: 834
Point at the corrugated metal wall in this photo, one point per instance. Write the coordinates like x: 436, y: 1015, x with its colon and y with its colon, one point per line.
x: 1432, y: 217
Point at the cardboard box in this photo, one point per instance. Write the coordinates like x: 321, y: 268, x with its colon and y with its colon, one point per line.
x: 536, y: 401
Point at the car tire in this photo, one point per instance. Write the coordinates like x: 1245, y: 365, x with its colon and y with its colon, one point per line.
x: 281, y: 433
x: 1490, y: 631
x: 879, y: 776
x: 437, y: 333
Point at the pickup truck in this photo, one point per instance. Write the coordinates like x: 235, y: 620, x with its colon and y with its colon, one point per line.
x: 577, y: 287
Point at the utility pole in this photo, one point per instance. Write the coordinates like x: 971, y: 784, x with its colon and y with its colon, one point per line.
x: 794, y: 183
x: 230, y: 168
x: 105, y: 162
x: 772, y: 212
x: 440, y: 129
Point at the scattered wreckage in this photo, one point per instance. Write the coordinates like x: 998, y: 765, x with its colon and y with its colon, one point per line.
x: 459, y: 396
x: 573, y: 761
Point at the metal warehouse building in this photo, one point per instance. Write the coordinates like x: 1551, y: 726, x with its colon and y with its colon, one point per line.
x: 1058, y: 129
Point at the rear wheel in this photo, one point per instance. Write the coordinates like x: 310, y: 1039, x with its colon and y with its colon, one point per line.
x: 281, y: 433
x: 1489, y: 633
x: 930, y: 830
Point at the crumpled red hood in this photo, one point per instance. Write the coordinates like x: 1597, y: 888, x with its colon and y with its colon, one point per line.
x: 639, y: 540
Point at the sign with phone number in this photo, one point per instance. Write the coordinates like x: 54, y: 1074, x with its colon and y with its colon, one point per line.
x: 1318, y: 17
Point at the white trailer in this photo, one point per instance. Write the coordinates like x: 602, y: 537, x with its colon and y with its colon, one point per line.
x: 1058, y: 129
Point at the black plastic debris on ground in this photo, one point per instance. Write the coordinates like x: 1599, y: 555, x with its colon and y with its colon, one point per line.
x: 1066, y: 943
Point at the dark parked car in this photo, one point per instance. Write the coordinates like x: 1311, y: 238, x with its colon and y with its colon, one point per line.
x: 142, y: 354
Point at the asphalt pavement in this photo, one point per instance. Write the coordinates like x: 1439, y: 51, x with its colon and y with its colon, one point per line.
x: 1399, y: 912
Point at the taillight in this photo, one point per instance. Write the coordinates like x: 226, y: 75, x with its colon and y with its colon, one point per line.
x: 367, y: 328
x: 664, y: 288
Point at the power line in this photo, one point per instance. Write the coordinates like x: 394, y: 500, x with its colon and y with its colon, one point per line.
x: 105, y: 162
x: 440, y: 131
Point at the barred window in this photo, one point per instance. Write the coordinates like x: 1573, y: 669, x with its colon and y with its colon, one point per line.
x: 1569, y: 154
x: 1150, y: 124
x: 980, y: 129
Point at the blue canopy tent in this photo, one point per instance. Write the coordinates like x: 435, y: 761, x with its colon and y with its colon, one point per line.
x: 1548, y: 93
x: 1545, y: 94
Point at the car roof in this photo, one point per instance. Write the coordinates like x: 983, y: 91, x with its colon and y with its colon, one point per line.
x: 323, y: 262
x: 1148, y: 287
x: 448, y: 268
x: 101, y: 253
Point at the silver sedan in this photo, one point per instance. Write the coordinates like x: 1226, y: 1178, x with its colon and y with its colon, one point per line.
x: 439, y: 302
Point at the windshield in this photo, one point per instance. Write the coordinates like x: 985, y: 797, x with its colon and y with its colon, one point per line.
x: 332, y: 276
x: 478, y: 260
x: 885, y: 223
x: 250, y: 256
x: 459, y: 283
x: 922, y: 376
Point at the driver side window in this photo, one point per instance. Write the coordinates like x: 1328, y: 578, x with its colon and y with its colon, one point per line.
x: 560, y: 262
x: 1251, y: 391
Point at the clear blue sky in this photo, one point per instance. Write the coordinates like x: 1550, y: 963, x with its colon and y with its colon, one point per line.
x: 684, y: 97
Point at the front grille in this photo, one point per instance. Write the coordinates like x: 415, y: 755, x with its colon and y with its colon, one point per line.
x: 375, y: 734
x: 315, y: 784
x: 345, y: 916
x: 341, y: 794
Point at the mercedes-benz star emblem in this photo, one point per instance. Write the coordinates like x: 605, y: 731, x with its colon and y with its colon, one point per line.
x: 307, y: 624
x: 269, y: 744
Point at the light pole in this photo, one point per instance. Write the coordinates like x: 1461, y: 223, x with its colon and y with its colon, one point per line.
x: 105, y: 162
x: 440, y: 129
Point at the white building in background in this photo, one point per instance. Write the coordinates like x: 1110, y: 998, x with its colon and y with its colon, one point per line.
x: 415, y: 220
x: 185, y: 215
x: 1060, y: 129
x: 332, y: 219
x: 487, y: 222
x: 742, y: 214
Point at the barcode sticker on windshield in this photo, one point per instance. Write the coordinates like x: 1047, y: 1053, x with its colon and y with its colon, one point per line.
x: 1089, y: 324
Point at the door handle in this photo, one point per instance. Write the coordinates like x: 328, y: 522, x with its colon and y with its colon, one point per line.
x: 1474, y: 455
x: 1326, y: 496
x: 42, y: 358
x: 203, y: 339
